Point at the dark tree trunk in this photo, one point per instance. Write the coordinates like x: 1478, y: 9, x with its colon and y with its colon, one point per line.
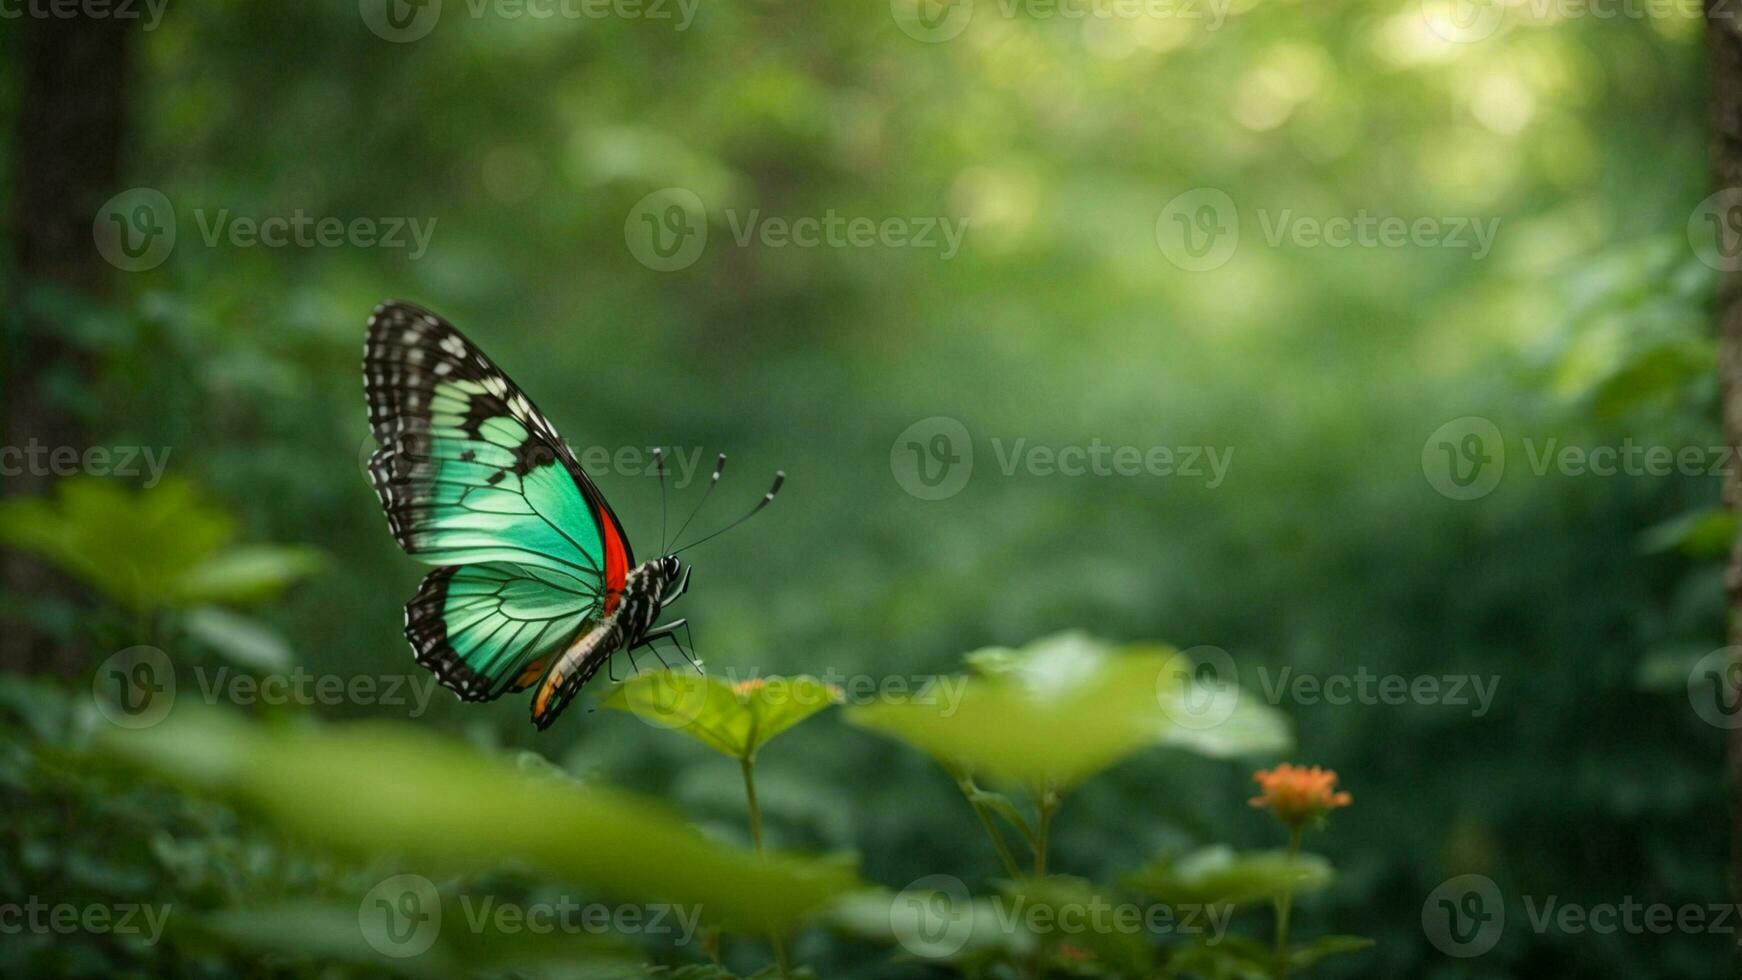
x: 72, y: 116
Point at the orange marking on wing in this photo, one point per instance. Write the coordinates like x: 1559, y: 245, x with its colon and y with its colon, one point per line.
x: 530, y: 675
x: 541, y: 701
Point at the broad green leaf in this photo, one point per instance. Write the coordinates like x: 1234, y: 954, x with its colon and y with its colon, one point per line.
x: 436, y: 801
x: 1217, y: 875
x: 246, y: 642
x: 148, y: 549
x: 734, y: 719
x: 1324, y: 946
x: 1065, y: 708
x: 130, y: 545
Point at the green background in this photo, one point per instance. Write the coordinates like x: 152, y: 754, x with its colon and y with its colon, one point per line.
x: 1061, y: 321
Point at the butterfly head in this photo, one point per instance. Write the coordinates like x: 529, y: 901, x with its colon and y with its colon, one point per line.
x: 676, y: 578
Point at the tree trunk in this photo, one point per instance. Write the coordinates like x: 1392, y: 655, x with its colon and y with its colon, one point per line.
x: 66, y: 161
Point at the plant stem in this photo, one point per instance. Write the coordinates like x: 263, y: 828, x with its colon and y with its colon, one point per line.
x: 1046, y: 803
x: 749, y: 768
x: 986, y: 821
x: 748, y: 764
x: 1284, y: 905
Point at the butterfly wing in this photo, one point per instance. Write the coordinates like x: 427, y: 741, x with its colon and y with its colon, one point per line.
x: 473, y: 477
x: 491, y: 628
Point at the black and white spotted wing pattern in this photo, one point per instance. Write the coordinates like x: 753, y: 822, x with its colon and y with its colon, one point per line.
x: 473, y: 478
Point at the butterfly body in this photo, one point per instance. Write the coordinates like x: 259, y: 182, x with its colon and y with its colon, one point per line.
x: 629, y: 624
x: 536, y: 582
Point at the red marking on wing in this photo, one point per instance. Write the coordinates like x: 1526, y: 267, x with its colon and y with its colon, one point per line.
x: 616, y: 562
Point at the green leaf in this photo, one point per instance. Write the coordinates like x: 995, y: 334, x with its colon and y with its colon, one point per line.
x: 131, y: 546
x: 439, y: 802
x: 244, y: 641
x: 735, y: 720
x: 1324, y: 946
x: 1704, y: 533
x: 1061, y: 710
x: 246, y: 574
x: 148, y: 549
x: 1217, y: 875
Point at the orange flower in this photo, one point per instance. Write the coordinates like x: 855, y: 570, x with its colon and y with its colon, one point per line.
x: 1297, y: 794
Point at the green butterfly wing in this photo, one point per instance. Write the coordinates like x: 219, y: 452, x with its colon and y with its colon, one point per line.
x: 488, y: 629
x: 474, y: 479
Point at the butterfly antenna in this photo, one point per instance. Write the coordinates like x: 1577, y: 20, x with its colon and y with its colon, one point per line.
x: 659, y: 467
x: 713, y: 481
x: 767, y: 498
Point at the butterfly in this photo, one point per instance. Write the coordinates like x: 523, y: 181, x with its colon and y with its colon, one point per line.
x: 536, y: 583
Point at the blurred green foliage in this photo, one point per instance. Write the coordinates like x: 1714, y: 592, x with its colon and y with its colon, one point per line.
x: 1322, y: 370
